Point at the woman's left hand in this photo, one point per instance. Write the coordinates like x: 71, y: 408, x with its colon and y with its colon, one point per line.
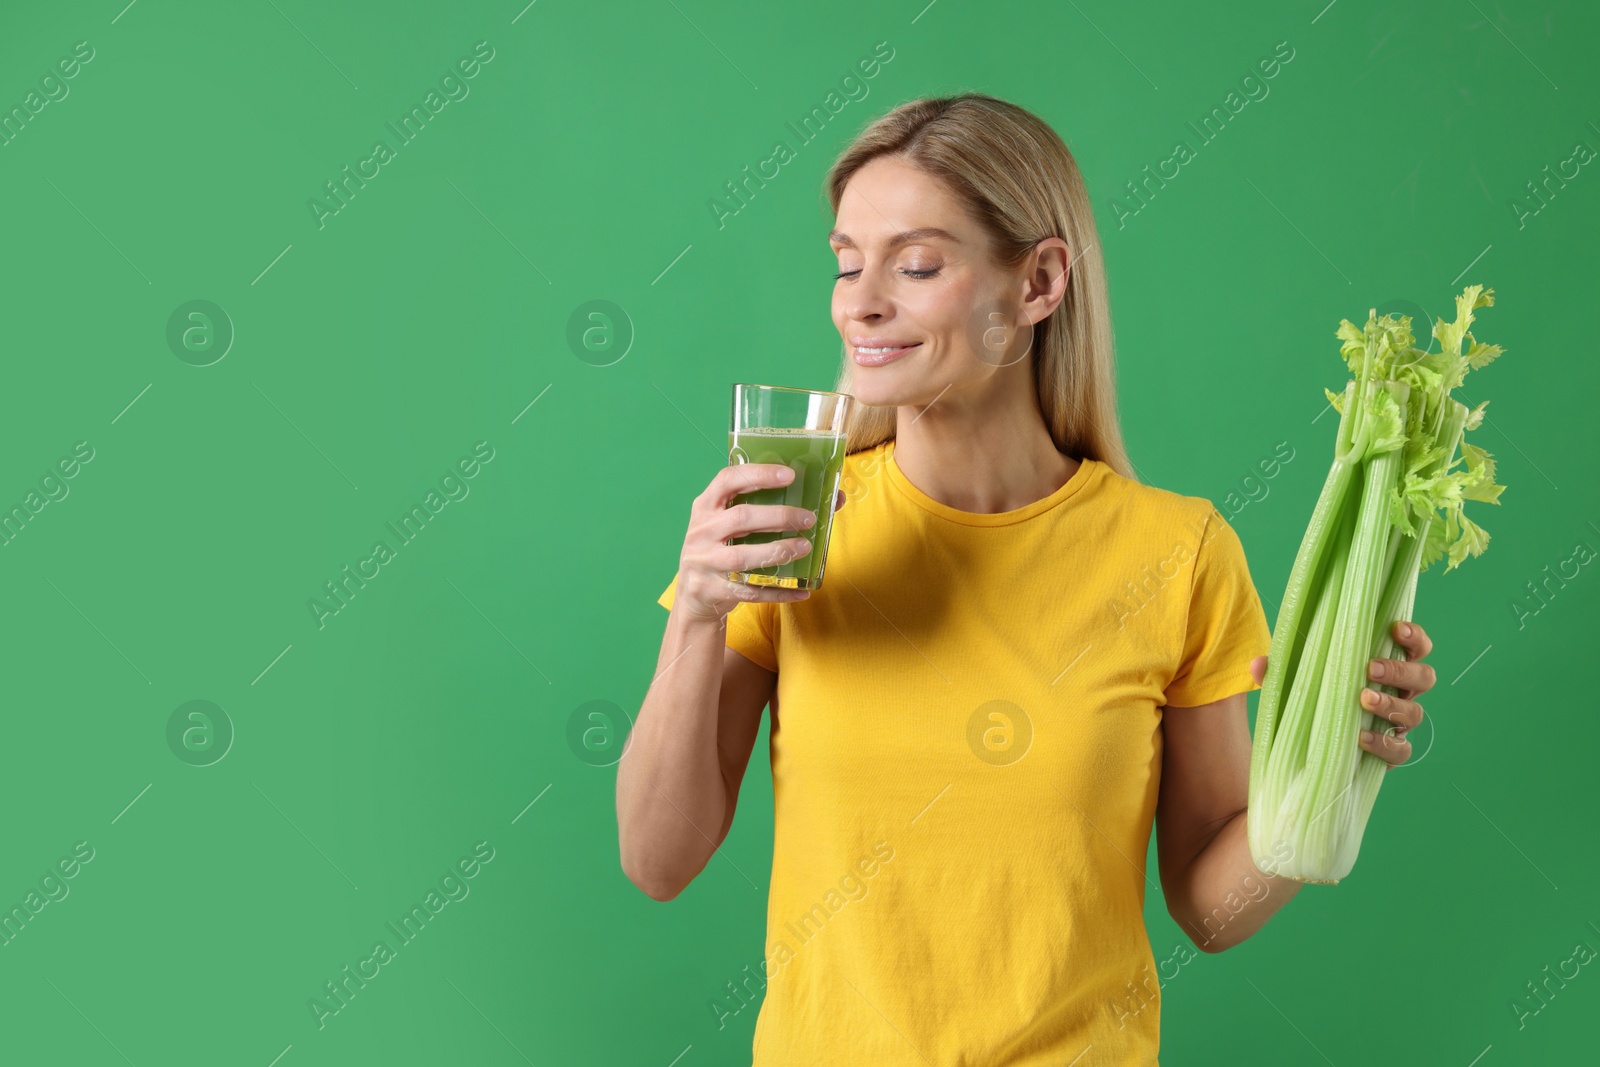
x: 1409, y: 676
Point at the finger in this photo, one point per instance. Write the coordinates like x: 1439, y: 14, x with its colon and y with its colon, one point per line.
x: 1412, y: 679
x: 763, y: 518
x: 746, y: 558
x: 1401, y: 711
x: 838, y: 500
x: 759, y: 593
x: 1390, y: 746
x: 767, y: 595
x: 738, y: 478
x: 1414, y: 639
x: 1258, y: 669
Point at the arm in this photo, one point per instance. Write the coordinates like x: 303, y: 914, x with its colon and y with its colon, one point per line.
x: 678, y: 778
x: 1213, y: 887
x: 679, y: 775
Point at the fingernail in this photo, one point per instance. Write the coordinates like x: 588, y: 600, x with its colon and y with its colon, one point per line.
x: 1378, y: 668
x: 1405, y: 629
x: 1369, y: 698
x: 1367, y: 735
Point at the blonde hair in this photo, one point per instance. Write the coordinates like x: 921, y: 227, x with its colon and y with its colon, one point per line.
x: 1020, y: 183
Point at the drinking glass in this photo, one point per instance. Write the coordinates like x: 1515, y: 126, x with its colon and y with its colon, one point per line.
x: 804, y: 429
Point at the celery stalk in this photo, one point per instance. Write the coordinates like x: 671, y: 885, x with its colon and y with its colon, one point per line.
x: 1329, y: 764
x: 1399, y: 599
x: 1376, y: 525
x: 1281, y: 773
x: 1309, y: 566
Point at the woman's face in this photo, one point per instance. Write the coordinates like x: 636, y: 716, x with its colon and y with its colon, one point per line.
x: 918, y: 291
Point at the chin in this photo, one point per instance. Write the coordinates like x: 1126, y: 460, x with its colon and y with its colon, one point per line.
x: 875, y: 388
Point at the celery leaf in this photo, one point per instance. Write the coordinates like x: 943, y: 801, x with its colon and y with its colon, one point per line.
x: 1388, y: 425
x: 1473, y: 540
x: 1475, y: 417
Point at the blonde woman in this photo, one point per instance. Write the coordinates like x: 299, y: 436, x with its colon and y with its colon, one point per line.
x: 1021, y: 659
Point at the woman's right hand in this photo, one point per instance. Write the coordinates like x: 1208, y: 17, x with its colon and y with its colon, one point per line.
x: 704, y: 590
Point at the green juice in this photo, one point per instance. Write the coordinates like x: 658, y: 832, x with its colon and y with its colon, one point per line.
x: 816, y: 457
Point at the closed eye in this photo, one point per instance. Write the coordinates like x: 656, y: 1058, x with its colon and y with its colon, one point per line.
x: 908, y: 273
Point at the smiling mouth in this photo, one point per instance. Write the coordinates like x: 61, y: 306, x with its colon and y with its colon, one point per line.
x: 877, y: 355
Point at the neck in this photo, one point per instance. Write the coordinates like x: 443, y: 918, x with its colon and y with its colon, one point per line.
x: 976, y: 455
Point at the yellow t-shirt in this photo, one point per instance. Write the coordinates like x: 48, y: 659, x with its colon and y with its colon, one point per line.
x: 966, y: 747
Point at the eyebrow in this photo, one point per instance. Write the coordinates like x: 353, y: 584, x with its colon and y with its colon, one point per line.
x: 903, y: 237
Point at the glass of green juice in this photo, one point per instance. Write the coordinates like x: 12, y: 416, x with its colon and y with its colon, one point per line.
x: 804, y: 429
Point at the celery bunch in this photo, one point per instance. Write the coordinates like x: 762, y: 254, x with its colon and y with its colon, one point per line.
x: 1391, y: 506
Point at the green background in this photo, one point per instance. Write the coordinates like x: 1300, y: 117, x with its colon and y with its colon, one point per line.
x: 371, y: 753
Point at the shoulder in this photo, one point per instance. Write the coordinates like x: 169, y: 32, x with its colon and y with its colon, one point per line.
x: 867, y: 459
x: 1153, y: 508
x: 862, y: 469
x: 1188, y: 532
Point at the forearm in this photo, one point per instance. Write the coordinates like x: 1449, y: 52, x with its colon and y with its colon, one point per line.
x: 671, y: 795
x: 1223, y: 896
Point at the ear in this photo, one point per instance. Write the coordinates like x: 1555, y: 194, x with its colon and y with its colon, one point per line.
x: 1044, y: 278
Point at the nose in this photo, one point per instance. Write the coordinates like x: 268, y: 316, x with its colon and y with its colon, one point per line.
x: 866, y: 300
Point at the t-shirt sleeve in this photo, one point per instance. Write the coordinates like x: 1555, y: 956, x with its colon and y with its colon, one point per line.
x: 751, y: 627
x: 1226, y: 625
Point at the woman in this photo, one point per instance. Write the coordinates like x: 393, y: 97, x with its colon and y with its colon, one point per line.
x: 1017, y: 643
